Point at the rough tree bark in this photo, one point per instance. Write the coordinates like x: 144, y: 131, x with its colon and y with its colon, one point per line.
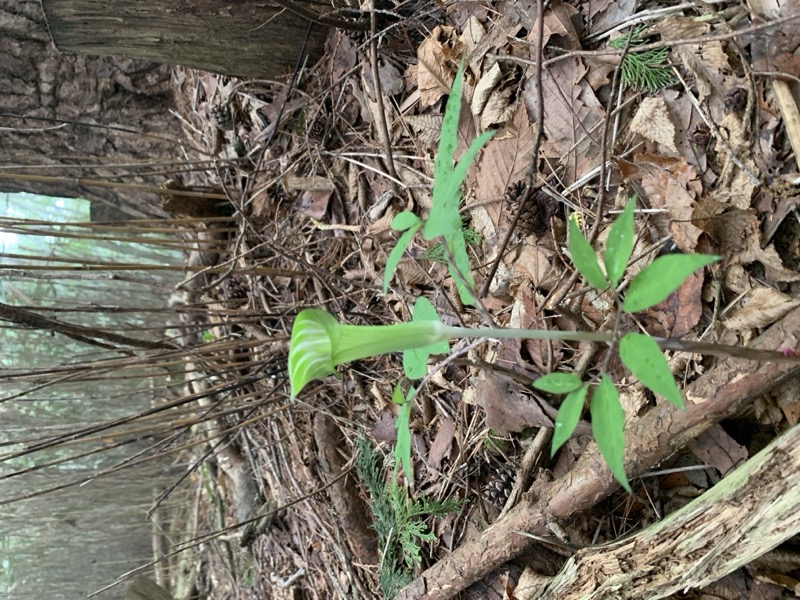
x: 751, y: 511
x: 60, y: 111
x: 250, y: 39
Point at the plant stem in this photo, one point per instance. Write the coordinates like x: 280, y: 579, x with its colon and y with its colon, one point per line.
x: 529, y: 334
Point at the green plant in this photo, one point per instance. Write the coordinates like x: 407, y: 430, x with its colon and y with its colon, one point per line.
x: 320, y: 343
x: 444, y: 220
x: 398, y: 521
x: 643, y: 71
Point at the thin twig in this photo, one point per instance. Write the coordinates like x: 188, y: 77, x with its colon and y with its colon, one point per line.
x: 376, y: 87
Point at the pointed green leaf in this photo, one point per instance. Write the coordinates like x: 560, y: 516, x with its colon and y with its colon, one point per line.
x: 584, y: 257
x: 397, y: 253
x: 558, y: 383
x: 619, y: 245
x: 569, y: 413
x: 444, y: 216
x: 644, y: 358
x: 415, y: 361
x: 608, y: 420
x: 662, y: 277
x: 404, y: 220
x: 402, y: 447
x: 458, y: 249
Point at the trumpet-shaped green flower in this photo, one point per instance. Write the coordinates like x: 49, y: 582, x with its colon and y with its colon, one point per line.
x: 320, y: 343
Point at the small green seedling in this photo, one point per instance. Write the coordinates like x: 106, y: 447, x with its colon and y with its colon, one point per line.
x: 444, y: 220
x: 646, y: 71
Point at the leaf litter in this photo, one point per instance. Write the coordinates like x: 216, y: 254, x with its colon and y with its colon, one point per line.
x: 687, y: 151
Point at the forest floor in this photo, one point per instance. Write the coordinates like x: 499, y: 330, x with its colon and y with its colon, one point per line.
x: 693, y: 127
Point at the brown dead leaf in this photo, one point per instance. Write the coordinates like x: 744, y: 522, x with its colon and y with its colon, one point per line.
x: 779, y: 51
x: 738, y: 236
x: 384, y: 430
x: 672, y: 184
x: 472, y: 34
x: 426, y: 127
x: 718, y: 449
x: 435, y: 72
x: 787, y: 397
x: 343, y: 56
x: 442, y: 442
x: 507, y: 409
x: 505, y: 159
x: 761, y: 307
x: 558, y: 22
x: 572, y: 118
x: 484, y: 88
x: 653, y: 122
x: 680, y: 312
x: 497, y: 109
x: 605, y: 14
x: 734, y: 184
x: 526, y: 313
x: 314, y: 203
x: 534, y: 263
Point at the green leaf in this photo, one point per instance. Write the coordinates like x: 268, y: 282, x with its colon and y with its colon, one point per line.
x: 458, y: 248
x: 608, y: 421
x: 619, y: 245
x: 397, y: 253
x: 404, y: 220
x: 415, y: 361
x: 569, y: 413
x: 662, y: 277
x: 558, y: 383
x: 444, y: 216
x: 644, y: 358
x: 584, y: 257
x: 402, y: 447
x: 447, y: 192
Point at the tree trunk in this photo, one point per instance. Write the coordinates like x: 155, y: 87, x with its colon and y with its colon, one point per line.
x: 61, y: 111
x: 748, y: 513
x: 250, y: 39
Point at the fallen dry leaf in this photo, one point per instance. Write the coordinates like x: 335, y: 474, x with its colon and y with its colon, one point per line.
x: 504, y: 160
x: 314, y: 203
x: 507, y: 409
x: 738, y: 238
x: 442, y: 442
x: 384, y: 430
x: 679, y: 312
x: 652, y: 121
x: 435, y: 72
x: 669, y: 182
x: 572, y: 118
x: 761, y: 307
x: 605, y: 14
x: 472, y: 34
x: 426, y: 127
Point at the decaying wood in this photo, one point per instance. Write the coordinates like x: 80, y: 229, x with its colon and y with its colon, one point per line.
x: 251, y: 39
x: 748, y: 513
x: 720, y: 393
